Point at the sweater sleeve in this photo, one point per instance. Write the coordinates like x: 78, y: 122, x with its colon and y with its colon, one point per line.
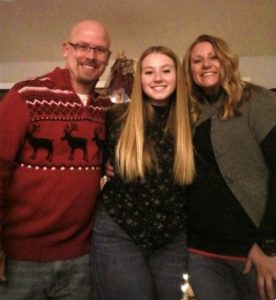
x: 106, y: 146
x: 262, y: 113
x: 263, y: 124
x: 113, y: 127
x: 268, y: 224
x: 14, y: 120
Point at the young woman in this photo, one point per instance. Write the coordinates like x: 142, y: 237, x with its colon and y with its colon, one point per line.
x: 139, y: 239
x: 232, y: 204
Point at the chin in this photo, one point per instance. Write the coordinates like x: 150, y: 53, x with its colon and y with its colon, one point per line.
x: 87, y: 80
x: 161, y: 98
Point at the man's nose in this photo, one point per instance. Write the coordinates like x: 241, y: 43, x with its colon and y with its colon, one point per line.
x: 91, y: 54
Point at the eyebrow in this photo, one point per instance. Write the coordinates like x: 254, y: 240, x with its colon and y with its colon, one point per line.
x: 163, y: 66
x: 89, y: 44
x: 200, y: 55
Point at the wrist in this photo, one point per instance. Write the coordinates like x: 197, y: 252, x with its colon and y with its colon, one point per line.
x: 268, y: 246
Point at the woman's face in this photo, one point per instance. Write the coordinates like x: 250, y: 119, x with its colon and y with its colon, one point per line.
x: 205, y: 67
x: 158, y: 77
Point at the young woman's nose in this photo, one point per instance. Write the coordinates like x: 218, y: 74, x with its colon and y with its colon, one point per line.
x: 157, y: 76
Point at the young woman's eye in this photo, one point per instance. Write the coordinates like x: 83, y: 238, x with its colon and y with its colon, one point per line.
x: 167, y: 71
x: 148, y: 72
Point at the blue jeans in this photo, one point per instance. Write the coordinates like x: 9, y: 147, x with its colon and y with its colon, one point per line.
x: 123, y: 271
x: 221, y: 279
x: 65, y: 279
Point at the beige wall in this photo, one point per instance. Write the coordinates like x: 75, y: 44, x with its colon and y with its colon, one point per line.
x: 32, y: 31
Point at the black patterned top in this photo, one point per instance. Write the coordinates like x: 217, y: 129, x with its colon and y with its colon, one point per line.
x: 152, y: 212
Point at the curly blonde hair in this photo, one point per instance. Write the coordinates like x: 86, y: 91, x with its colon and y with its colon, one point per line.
x: 134, y: 155
x: 230, y: 78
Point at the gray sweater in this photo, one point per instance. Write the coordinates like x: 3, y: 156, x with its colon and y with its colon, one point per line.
x: 236, y: 146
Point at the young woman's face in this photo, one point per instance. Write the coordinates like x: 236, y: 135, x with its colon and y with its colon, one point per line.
x: 205, y: 67
x: 158, y: 77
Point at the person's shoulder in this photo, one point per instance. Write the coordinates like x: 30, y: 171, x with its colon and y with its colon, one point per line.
x: 116, y: 112
x: 101, y: 100
x: 257, y: 90
x: 118, y: 109
x: 257, y: 96
x: 261, y: 106
x: 34, y: 82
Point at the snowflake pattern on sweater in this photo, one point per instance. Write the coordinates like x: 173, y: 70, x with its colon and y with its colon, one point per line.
x: 152, y: 211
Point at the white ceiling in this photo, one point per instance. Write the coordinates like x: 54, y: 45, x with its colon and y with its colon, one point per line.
x: 33, y: 30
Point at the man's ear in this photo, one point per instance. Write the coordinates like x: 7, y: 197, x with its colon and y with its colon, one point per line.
x: 65, y: 49
x: 108, y: 58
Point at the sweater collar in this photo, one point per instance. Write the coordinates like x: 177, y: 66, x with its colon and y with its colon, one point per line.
x: 210, y: 108
x: 63, y: 78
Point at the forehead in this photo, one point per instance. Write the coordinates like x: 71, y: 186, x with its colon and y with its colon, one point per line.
x: 202, y: 48
x: 90, y: 34
x: 156, y: 59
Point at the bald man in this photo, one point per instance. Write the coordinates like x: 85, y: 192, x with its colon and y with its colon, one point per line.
x: 51, y: 136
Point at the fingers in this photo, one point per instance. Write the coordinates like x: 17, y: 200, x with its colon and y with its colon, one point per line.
x: 261, y: 288
x: 248, y: 266
x: 109, y: 169
x: 109, y: 173
x: 266, y: 288
x: 269, y: 288
x: 103, y: 181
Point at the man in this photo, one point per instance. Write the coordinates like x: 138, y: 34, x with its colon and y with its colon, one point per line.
x: 51, y: 134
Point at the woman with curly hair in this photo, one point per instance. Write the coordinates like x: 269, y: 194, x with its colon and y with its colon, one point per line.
x: 232, y: 203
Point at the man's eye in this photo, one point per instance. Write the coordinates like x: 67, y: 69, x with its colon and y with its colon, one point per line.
x: 83, y: 47
x: 100, y: 50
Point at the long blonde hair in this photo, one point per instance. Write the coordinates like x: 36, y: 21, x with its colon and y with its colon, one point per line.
x: 135, y: 156
x: 230, y: 78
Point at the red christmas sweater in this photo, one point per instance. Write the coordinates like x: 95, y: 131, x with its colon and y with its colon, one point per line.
x: 50, y: 168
